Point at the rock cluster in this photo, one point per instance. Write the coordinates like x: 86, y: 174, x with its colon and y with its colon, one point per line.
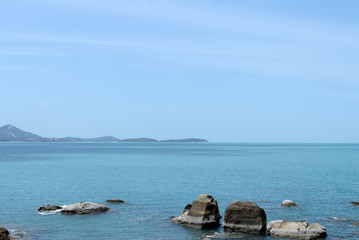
x: 84, y: 208
x: 244, y: 217
x: 296, y: 229
x: 4, y: 234
x: 202, y: 213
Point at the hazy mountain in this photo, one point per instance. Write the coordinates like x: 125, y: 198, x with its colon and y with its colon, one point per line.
x: 139, y: 140
x: 9, y: 133
x: 76, y: 139
x: 103, y: 139
x: 186, y: 140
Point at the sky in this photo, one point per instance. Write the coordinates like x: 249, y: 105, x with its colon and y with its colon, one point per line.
x: 224, y: 70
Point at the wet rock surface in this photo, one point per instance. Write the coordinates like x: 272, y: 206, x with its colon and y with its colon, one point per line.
x: 115, y: 201
x: 48, y: 207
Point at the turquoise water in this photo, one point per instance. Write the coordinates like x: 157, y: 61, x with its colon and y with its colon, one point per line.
x: 159, y: 179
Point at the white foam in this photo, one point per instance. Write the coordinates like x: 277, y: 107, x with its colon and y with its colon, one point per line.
x: 51, y: 212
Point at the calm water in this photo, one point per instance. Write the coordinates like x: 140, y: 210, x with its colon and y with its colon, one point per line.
x: 159, y: 179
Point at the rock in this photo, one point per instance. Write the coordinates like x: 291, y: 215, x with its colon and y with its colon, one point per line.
x: 355, y: 203
x: 244, y: 217
x: 337, y: 219
x: 226, y: 235
x: 115, y: 201
x: 288, y: 203
x: 202, y: 213
x: 48, y: 207
x: 84, y: 208
x: 356, y: 223
x: 4, y: 234
x: 296, y: 229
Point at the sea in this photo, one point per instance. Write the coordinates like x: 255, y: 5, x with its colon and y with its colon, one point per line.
x: 157, y: 180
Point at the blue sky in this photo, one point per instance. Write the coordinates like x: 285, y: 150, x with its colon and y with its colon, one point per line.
x: 227, y: 71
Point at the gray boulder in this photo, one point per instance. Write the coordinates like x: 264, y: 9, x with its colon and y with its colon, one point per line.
x: 115, y: 201
x: 288, y: 203
x: 4, y: 234
x: 84, y: 208
x: 48, y: 207
x: 202, y: 213
x: 244, y: 217
x: 296, y: 229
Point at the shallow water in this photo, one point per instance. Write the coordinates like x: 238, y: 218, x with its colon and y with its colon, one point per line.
x: 159, y: 179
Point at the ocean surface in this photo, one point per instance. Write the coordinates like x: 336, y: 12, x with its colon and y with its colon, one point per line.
x: 159, y: 179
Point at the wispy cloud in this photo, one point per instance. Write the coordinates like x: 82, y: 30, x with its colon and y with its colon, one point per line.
x: 45, y: 38
x: 215, y: 15
x: 208, y: 36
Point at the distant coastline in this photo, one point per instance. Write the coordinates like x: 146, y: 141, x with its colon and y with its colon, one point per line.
x: 10, y: 133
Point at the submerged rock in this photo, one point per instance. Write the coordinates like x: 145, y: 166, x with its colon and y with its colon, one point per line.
x: 296, y: 229
x: 244, y: 217
x: 337, y: 219
x: 288, y: 203
x: 4, y: 234
x: 224, y: 235
x: 355, y: 203
x: 115, y: 201
x: 202, y: 213
x: 84, y: 208
x: 48, y: 207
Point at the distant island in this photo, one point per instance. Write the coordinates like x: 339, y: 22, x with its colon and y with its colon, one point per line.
x: 10, y: 133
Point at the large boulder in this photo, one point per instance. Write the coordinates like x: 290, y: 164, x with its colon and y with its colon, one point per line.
x: 84, y: 208
x: 244, y: 217
x: 288, y: 203
x: 202, y: 213
x: 296, y: 229
x: 4, y: 234
x: 48, y: 207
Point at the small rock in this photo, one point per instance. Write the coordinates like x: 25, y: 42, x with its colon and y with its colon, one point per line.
x: 84, y: 208
x: 244, y: 217
x: 48, y: 207
x: 355, y: 203
x: 288, y: 203
x: 296, y: 229
x: 115, y: 201
x: 202, y: 213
